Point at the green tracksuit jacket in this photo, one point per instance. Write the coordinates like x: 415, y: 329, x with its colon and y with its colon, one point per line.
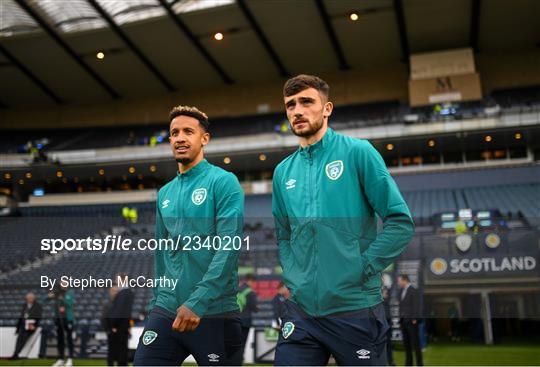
x: 202, y: 203
x: 325, y: 202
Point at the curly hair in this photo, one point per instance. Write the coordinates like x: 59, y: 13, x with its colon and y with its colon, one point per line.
x: 191, y: 112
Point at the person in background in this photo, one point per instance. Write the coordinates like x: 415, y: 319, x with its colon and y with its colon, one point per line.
x: 247, y: 301
x: 118, y: 323
x: 28, y: 322
x: 63, y: 319
x: 461, y: 227
x: 409, y: 312
x: 453, y: 315
x: 133, y: 215
x: 278, y: 305
x: 125, y: 213
x: 106, y: 322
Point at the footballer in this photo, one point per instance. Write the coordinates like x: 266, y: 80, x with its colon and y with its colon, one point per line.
x: 200, y: 316
x: 325, y: 202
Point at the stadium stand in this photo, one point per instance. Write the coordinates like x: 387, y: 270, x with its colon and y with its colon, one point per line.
x: 516, y: 100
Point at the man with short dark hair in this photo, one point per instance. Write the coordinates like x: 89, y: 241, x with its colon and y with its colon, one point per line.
x: 326, y: 199
x: 409, y: 313
x: 199, y: 209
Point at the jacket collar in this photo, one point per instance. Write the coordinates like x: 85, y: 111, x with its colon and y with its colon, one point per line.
x: 200, y: 167
x: 321, y: 144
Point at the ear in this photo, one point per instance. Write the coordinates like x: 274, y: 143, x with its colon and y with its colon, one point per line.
x: 205, y: 139
x: 328, y: 108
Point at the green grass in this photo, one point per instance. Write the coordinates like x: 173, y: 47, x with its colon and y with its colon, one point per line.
x: 435, y: 355
x: 477, y: 355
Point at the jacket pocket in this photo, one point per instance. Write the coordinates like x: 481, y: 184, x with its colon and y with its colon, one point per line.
x: 339, y: 260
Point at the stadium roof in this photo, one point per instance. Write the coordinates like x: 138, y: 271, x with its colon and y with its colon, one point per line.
x: 48, y: 48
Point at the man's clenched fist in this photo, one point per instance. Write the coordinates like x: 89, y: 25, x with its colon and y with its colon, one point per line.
x: 185, y: 320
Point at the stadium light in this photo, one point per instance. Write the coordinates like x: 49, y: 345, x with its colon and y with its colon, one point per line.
x: 218, y: 36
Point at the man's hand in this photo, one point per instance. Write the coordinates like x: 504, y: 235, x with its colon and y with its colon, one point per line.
x: 185, y: 320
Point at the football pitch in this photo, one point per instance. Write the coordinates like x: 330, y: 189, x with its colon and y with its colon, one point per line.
x: 435, y: 355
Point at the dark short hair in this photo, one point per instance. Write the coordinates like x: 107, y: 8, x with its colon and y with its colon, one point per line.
x: 405, y: 277
x: 191, y: 112
x: 302, y: 82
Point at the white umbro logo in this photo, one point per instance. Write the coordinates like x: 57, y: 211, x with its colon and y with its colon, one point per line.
x: 363, y: 354
x: 291, y: 184
x: 165, y: 204
x: 213, y: 357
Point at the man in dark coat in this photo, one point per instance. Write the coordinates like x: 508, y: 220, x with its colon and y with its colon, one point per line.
x: 118, y: 322
x: 28, y: 322
x: 410, y: 312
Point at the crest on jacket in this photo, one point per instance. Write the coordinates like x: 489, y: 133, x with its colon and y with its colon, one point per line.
x: 334, y: 169
x: 198, y: 196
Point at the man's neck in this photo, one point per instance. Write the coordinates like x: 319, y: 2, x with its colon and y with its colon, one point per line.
x: 312, y: 139
x: 183, y: 168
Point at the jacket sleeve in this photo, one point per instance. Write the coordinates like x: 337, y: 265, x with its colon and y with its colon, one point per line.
x: 229, y: 222
x: 384, y: 197
x: 281, y: 222
x: 159, y: 266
